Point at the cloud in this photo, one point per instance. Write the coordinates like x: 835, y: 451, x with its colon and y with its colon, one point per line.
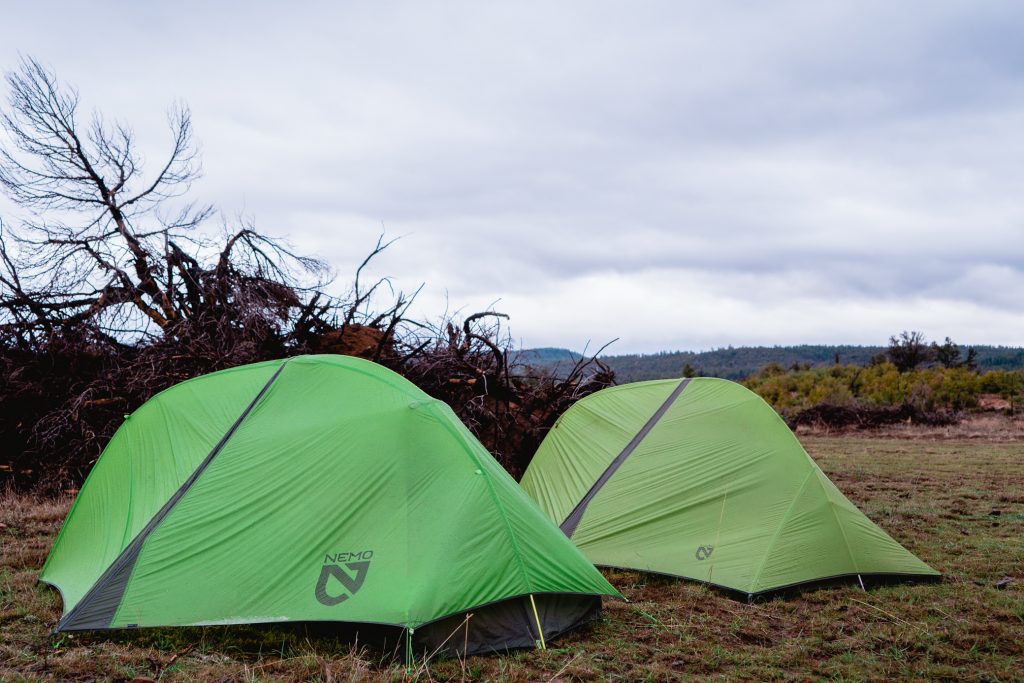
x: 676, y: 174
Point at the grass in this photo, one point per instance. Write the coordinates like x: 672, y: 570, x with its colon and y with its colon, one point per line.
x: 956, y: 503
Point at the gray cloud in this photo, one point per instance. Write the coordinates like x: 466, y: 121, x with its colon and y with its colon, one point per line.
x: 680, y: 175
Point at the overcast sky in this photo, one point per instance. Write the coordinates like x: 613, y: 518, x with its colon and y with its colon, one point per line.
x: 678, y: 175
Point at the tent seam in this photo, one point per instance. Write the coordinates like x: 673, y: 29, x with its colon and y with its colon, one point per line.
x: 497, y: 503
x: 778, y: 531
x: 832, y: 509
x: 776, y: 589
x: 394, y: 624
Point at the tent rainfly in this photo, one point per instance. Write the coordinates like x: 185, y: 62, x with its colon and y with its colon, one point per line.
x: 700, y: 478
x: 316, y: 489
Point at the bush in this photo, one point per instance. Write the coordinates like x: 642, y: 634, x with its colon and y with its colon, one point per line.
x: 883, y: 385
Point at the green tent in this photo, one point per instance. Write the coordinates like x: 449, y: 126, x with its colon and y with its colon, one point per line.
x: 317, y: 489
x: 701, y: 479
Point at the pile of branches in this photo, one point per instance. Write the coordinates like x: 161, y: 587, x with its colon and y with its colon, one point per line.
x: 830, y: 416
x: 62, y: 402
x: 111, y: 290
x: 69, y: 383
x: 508, y: 405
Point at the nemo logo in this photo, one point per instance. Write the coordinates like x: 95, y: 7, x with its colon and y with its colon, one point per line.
x: 349, y: 577
x: 704, y: 552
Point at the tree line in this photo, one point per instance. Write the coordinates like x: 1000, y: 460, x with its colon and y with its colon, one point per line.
x: 738, y: 363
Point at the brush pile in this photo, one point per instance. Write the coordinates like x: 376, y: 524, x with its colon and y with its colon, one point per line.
x: 69, y: 382
x: 830, y: 416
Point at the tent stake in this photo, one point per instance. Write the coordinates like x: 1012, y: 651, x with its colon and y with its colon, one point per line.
x: 862, y: 583
x: 540, y: 631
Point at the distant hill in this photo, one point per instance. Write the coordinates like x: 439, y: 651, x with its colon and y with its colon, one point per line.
x: 741, y: 361
x: 547, y: 354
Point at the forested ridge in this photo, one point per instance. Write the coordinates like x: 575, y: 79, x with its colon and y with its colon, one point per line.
x: 743, y: 361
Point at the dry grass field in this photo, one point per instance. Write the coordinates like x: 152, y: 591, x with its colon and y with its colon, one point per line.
x: 956, y: 499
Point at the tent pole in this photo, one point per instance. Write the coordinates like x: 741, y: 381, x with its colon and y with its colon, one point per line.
x: 540, y: 631
x: 408, y: 651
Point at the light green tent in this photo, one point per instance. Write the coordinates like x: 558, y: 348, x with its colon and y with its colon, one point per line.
x: 702, y: 479
x: 322, y: 488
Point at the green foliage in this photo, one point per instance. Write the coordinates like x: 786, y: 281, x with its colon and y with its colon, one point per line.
x: 1009, y: 385
x: 882, y: 384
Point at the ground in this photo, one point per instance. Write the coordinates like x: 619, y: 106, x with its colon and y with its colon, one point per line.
x: 954, y: 498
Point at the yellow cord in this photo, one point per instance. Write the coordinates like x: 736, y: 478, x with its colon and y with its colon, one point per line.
x: 718, y: 534
x: 537, y: 617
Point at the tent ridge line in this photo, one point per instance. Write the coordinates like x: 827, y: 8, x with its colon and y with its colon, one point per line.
x: 568, y: 526
x: 125, y: 562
